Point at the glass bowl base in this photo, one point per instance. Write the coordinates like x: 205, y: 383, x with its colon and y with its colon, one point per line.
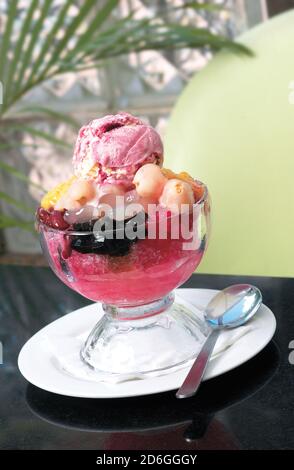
x: 151, y: 339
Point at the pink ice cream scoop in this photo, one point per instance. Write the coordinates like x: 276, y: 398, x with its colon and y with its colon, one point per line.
x: 111, y: 149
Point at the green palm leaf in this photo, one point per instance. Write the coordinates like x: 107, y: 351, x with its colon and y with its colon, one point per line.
x: 19, y: 175
x: 55, y: 115
x: 10, y: 200
x: 8, y: 222
x: 26, y: 26
x: 104, y: 40
x: 96, y: 44
x: 69, y: 34
x: 59, y: 23
x: 94, y: 26
x: 6, y: 39
x: 42, y: 134
x: 201, y: 6
x: 28, y: 53
x: 13, y: 145
x: 142, y: 35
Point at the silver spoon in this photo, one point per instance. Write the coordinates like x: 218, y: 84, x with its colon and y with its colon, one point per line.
x: 229, y: 308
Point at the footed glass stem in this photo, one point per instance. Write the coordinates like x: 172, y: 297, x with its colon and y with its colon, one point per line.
x: 146, y: 339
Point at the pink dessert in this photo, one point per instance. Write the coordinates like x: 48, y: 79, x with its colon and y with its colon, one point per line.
x: 110, y: 231
x: 114, y: 147
x: 149, y: 271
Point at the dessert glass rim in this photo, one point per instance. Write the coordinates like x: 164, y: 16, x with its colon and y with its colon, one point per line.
x: 66, y: 231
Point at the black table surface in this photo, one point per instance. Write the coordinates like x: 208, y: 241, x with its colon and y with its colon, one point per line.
x: 248, y: 408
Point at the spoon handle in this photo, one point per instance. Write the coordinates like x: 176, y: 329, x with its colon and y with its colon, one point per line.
x: 194, y: 377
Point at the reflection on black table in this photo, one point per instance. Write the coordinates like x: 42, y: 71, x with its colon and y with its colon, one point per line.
x: 250, y: 407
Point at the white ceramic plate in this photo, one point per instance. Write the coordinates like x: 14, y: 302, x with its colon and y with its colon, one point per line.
x: 38, y: 366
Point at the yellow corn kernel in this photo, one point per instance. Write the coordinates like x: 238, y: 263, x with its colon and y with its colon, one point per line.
x: 169, y: 174
x: 51, y: 198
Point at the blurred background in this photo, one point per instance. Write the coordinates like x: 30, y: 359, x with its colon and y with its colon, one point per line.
x: 63, y: 63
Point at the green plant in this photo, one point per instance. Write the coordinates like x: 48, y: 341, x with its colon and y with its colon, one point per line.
x: 27, y: 61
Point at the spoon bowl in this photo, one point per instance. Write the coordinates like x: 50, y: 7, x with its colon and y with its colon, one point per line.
x: 230, y: 308
x: 233, y: 306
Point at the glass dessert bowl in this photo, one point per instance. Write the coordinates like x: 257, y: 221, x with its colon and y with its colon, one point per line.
x: 126, y: 232
x: 143, y: 330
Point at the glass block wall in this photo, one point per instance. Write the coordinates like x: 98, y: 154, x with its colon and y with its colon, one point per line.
x: 146, y: 84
